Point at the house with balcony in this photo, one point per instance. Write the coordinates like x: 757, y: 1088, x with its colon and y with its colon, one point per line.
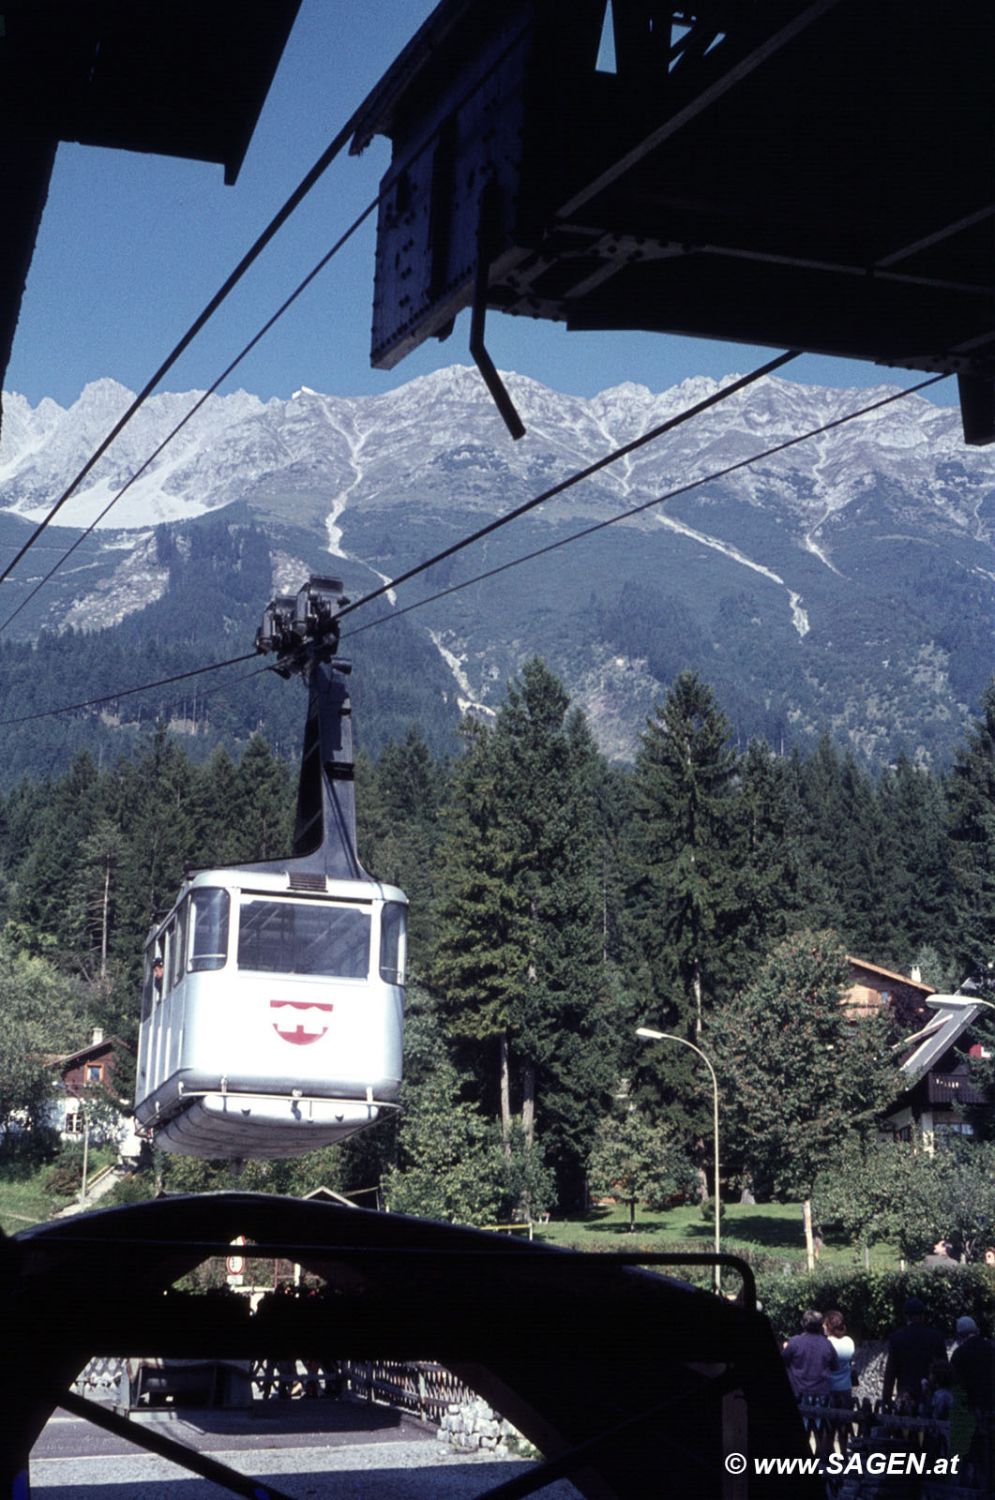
x: 932, y: 1054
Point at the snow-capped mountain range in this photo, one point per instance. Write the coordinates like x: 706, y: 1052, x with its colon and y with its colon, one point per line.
x: 847, y: 582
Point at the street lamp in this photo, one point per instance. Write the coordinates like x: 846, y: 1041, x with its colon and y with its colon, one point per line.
x: 957, y: 1002
x: 666, y: 1036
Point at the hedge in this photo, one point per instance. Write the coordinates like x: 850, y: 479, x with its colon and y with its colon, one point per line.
x: 872, y: 1302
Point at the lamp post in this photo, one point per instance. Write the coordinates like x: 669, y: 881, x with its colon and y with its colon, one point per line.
x: 667, y: 1036
x: 957, y: 1002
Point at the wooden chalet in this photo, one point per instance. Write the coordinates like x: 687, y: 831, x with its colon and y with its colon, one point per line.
x: 932, y: 1058
x: 93, y: 1065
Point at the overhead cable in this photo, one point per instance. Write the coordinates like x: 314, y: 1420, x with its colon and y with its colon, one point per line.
x: 246, y: 350
x: 248, y: 259
x: 579, y: 475
x: 636, y: 510
x: 144, y: 687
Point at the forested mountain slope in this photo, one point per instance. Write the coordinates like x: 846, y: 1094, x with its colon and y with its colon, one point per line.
x: 847, y: 584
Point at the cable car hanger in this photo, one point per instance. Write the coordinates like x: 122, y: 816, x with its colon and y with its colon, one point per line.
x: 302, y: 629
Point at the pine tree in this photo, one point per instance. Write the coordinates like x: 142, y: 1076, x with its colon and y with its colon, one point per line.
x: 819, y: 791
x: 861, y: 861
x: 519, y: 953
x: 773, y: 883
x: 685, y: 902
x: 915, y: 901
x: 402, y: 829
x: 154, y: 806
x: 972, y: 843
x: 48, y: 878
x: 262, y: 804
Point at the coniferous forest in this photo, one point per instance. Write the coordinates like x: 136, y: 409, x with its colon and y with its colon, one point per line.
x: 557, y: 903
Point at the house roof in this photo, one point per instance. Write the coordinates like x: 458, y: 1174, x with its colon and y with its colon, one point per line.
x: 82, y: 1054
x: 940, y: 1034
x: 915, y: 984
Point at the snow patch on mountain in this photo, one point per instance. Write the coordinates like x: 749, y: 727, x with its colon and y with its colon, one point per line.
x: 467, y: 701
x: 799, y: 617
x: 139, y: 580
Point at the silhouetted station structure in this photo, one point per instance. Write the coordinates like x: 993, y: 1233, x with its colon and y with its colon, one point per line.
x: 187, y: 78
x: 635, y: 1383
x: 817, y: 176
x: 809, y: 174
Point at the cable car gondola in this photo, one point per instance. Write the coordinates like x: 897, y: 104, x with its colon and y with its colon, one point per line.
x: 272, y: 1005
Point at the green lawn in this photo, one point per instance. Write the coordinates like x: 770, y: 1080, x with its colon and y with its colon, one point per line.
x: 23, y: 1203
x: 24, y: 1200
x: 771, y: 1230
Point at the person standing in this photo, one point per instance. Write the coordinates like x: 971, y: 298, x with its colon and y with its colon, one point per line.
x: 841, y: 1380
x: 911, y: 1352
x: 810, y: 1358
x: 972, y: 1372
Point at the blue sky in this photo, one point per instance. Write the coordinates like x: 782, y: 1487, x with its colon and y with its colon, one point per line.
x: 131, y: 248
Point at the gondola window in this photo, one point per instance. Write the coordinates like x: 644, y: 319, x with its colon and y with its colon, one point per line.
x: 298, y: 937
x: 209, y: 941
x: 392, y: 922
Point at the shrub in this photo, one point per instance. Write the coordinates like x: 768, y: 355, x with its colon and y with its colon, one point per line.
x: 64, y: 1180
x: 872, y: 1301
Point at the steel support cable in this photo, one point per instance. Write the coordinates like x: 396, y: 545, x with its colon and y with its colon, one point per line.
x: 144, y: 687
x: 248, y: 348
x: 576, y: 478
x: 636, y: 510
x: 275, y: 224
x: 514, y: 562
x: 252, y: 254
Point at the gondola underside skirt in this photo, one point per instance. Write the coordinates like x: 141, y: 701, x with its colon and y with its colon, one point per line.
x: 265, y: 1126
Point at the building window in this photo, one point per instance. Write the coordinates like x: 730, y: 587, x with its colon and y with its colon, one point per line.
x: 94, y: 1072
x: 74, y: 1122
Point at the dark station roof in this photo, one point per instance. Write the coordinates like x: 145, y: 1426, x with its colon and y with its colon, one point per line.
x: 805, y: 174
x: 574, y: 1349
x: 187, y: 78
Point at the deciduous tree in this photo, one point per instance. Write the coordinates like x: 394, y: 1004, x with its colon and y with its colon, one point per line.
x: 798, y: 1079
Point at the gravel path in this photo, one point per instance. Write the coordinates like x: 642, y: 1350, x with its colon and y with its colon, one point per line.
x: 74, y: 1461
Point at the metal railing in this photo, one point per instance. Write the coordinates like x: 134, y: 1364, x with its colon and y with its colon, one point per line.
x: 424, y: 1390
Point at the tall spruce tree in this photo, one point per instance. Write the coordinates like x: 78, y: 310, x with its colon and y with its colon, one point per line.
x: 773, y: 872
x: 401, y: 829
x: 685, y: 901
x: 972, y: 845
x: 519, y: 953
x: 915, y: 900
x: 861, y: 861
x: 49, y: 878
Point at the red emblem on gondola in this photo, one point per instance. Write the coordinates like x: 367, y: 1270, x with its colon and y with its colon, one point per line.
x: 301, y: 1021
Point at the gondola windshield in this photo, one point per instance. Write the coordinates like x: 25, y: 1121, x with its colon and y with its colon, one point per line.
x: 297, y: 937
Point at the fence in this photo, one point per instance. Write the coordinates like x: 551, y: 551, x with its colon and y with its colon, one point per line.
x: 425, y: 1390
x: 884, y: 1428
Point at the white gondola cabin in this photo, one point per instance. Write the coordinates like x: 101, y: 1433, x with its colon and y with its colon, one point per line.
x: 272, y: 1024
x: 272, y: 1004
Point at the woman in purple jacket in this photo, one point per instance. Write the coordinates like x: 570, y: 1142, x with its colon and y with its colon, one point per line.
x: 810, y: 1358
